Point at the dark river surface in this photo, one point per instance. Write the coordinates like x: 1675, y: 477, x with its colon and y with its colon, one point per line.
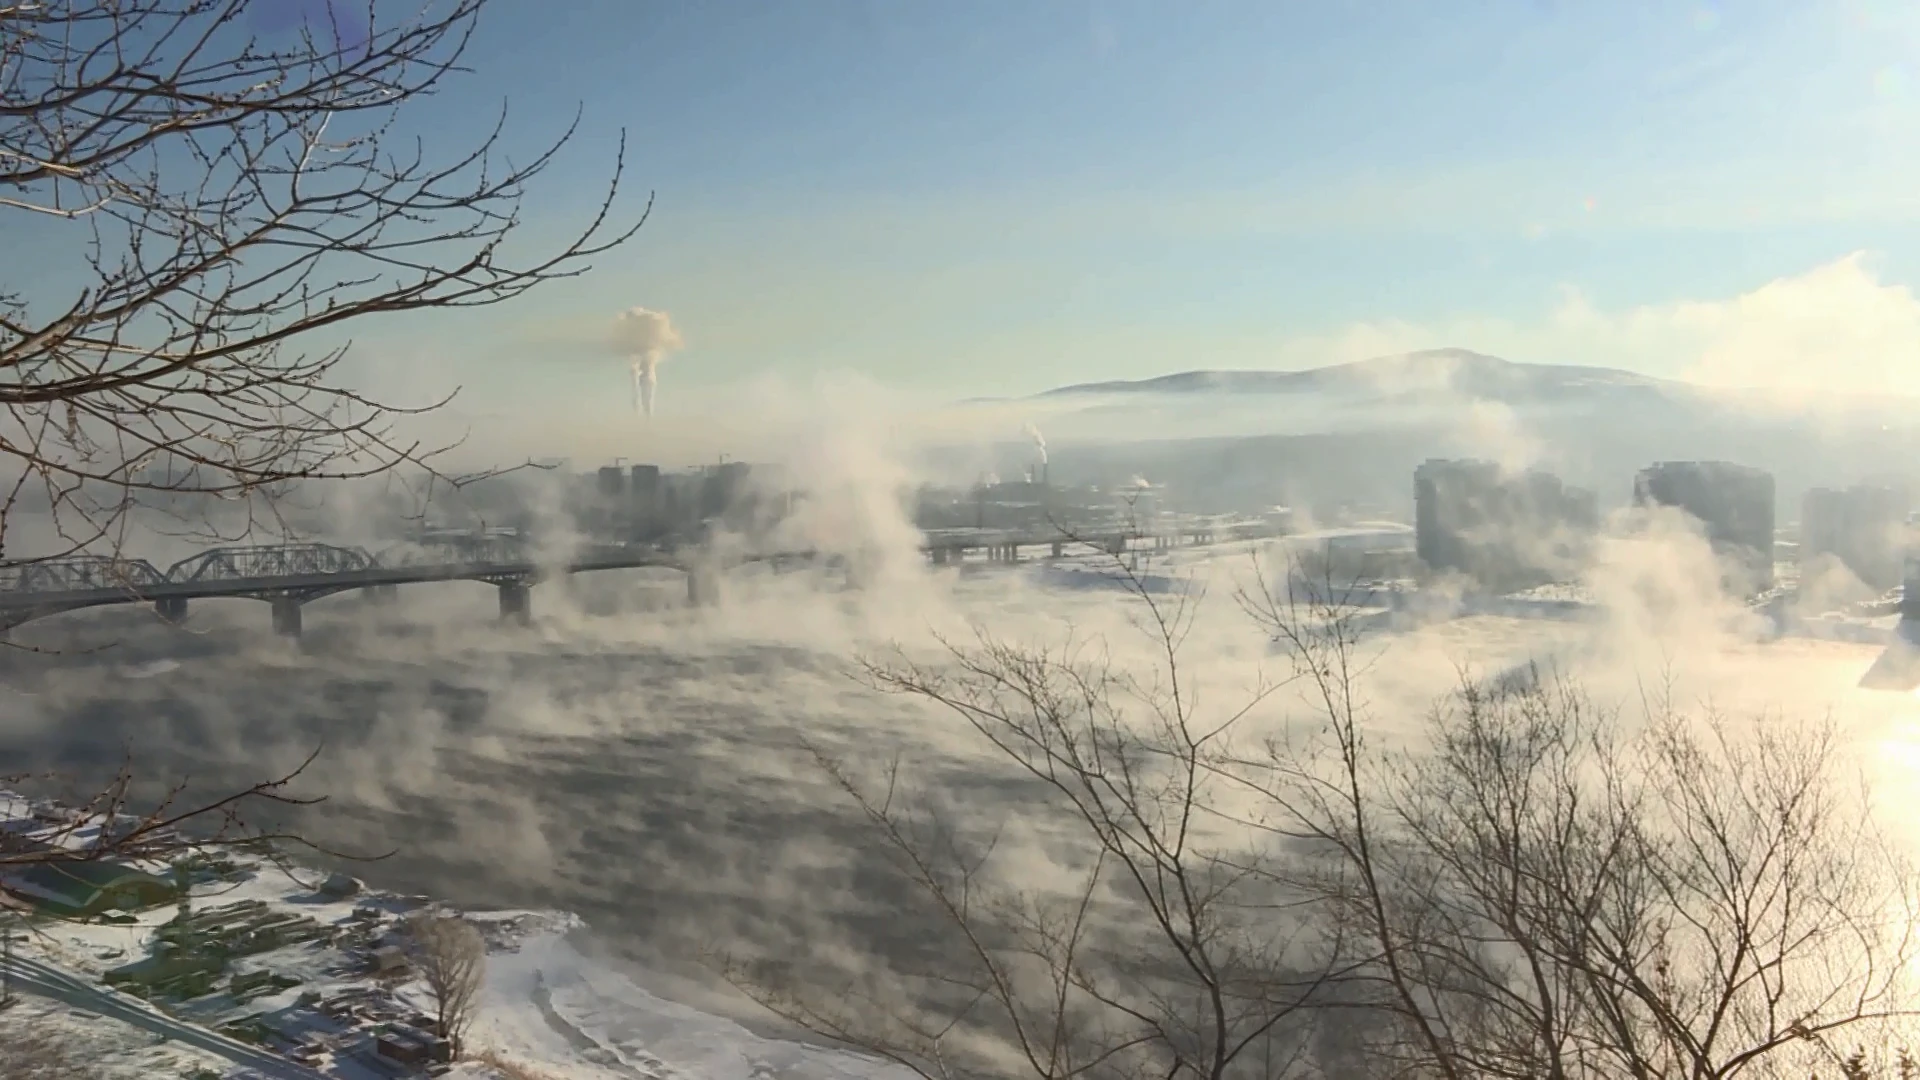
x: 650, y: 771
x: 645, y: 766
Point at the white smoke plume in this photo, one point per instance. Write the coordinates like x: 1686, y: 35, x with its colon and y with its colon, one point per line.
x: 647, y: 337
x: 1039, y: 442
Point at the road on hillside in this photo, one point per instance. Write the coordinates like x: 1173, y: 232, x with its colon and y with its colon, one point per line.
x: 45, y: 980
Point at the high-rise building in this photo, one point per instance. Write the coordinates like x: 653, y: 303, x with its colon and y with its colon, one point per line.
x: 1862, y: 526
x: 611, y: 483
x: 1734, y: 503
x: 1475, y: 518
x: 1449, y: 500
x: 645, y: 502
x: 725, y: 488
x: 673, y: 503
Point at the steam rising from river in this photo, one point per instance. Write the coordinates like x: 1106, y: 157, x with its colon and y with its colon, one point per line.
x: 646, y: 765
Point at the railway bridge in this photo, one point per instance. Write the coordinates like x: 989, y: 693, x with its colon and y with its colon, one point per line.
x: 288, y: 576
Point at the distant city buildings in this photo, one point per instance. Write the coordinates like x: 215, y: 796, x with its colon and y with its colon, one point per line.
x: 645, y: 503
x: 1864, y: 527
x: 1735, y: 505
x: 1503, y: 529
x: 1032, y: 506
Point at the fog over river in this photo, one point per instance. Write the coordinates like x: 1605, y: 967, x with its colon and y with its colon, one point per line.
x: 646, y: 765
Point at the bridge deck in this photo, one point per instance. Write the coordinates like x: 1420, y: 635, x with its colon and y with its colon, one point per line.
x: 322, y: 570
x: 134, y: 592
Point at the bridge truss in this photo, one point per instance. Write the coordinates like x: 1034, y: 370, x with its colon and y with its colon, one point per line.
x: 289, y: 575
x: 83, y: 574
x: 78, y: 573
x: 269, y: 561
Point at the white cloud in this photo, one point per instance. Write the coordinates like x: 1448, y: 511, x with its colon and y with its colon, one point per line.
x: 1837, y: 329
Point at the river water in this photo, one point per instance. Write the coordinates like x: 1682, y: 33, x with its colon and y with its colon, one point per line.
x: 650, y: 768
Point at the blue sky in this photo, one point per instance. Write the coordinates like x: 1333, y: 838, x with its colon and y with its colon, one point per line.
x: 996, y: 197
x: 999, y: 196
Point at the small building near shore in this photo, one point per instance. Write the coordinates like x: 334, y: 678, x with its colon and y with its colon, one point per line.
x: 82, y: 889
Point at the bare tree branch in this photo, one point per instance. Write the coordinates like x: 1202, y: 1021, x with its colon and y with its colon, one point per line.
x: 1547, y: 891
x: 1534, y: 889
x: 116, y: 822
x: 452, y: 959
x: 195, y: 217
x: 223, y: 201
x: 1165, y: 957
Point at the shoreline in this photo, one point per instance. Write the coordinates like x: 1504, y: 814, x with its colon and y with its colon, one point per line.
x: 553, y: 999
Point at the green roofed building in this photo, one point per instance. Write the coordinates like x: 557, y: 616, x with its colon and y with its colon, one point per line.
x: 77, y: 889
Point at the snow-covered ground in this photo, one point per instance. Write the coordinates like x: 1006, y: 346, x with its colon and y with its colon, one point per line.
x: 115, y: 1050
x: 547, y: 1004
x: 545, y: 1007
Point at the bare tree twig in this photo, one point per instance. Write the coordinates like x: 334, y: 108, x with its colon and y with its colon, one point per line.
x: 223, y: 201
x: 196, y: 216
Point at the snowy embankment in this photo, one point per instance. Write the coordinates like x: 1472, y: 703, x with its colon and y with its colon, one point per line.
x: 112, y: 1048
x: 547, y: 1008
x: 550, y: 1007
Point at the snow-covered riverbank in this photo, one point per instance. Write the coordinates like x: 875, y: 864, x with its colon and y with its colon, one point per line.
x: 547, y: 1006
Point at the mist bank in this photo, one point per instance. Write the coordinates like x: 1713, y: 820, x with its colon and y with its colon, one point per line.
x: 1353, y: 434
x: 651, y: 767
x: 1374, y: 468
x: 1217, y: 441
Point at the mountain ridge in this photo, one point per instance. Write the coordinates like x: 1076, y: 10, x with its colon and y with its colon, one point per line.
x: 1462, y: 370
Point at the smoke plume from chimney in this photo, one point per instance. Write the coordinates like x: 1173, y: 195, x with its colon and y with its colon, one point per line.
x: 646, y: 337
x: 1038, y: 474
x: 1039, y: 442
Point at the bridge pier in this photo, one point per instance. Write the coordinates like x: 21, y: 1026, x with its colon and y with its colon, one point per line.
x: 286, y: 576
x: 516, y: 602
x: 1059, y: 548
x: 286, y: 616
x: 701, y: 590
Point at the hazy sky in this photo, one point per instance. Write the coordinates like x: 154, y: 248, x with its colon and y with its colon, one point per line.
x: 999, y: 196
x: 996, y: 197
